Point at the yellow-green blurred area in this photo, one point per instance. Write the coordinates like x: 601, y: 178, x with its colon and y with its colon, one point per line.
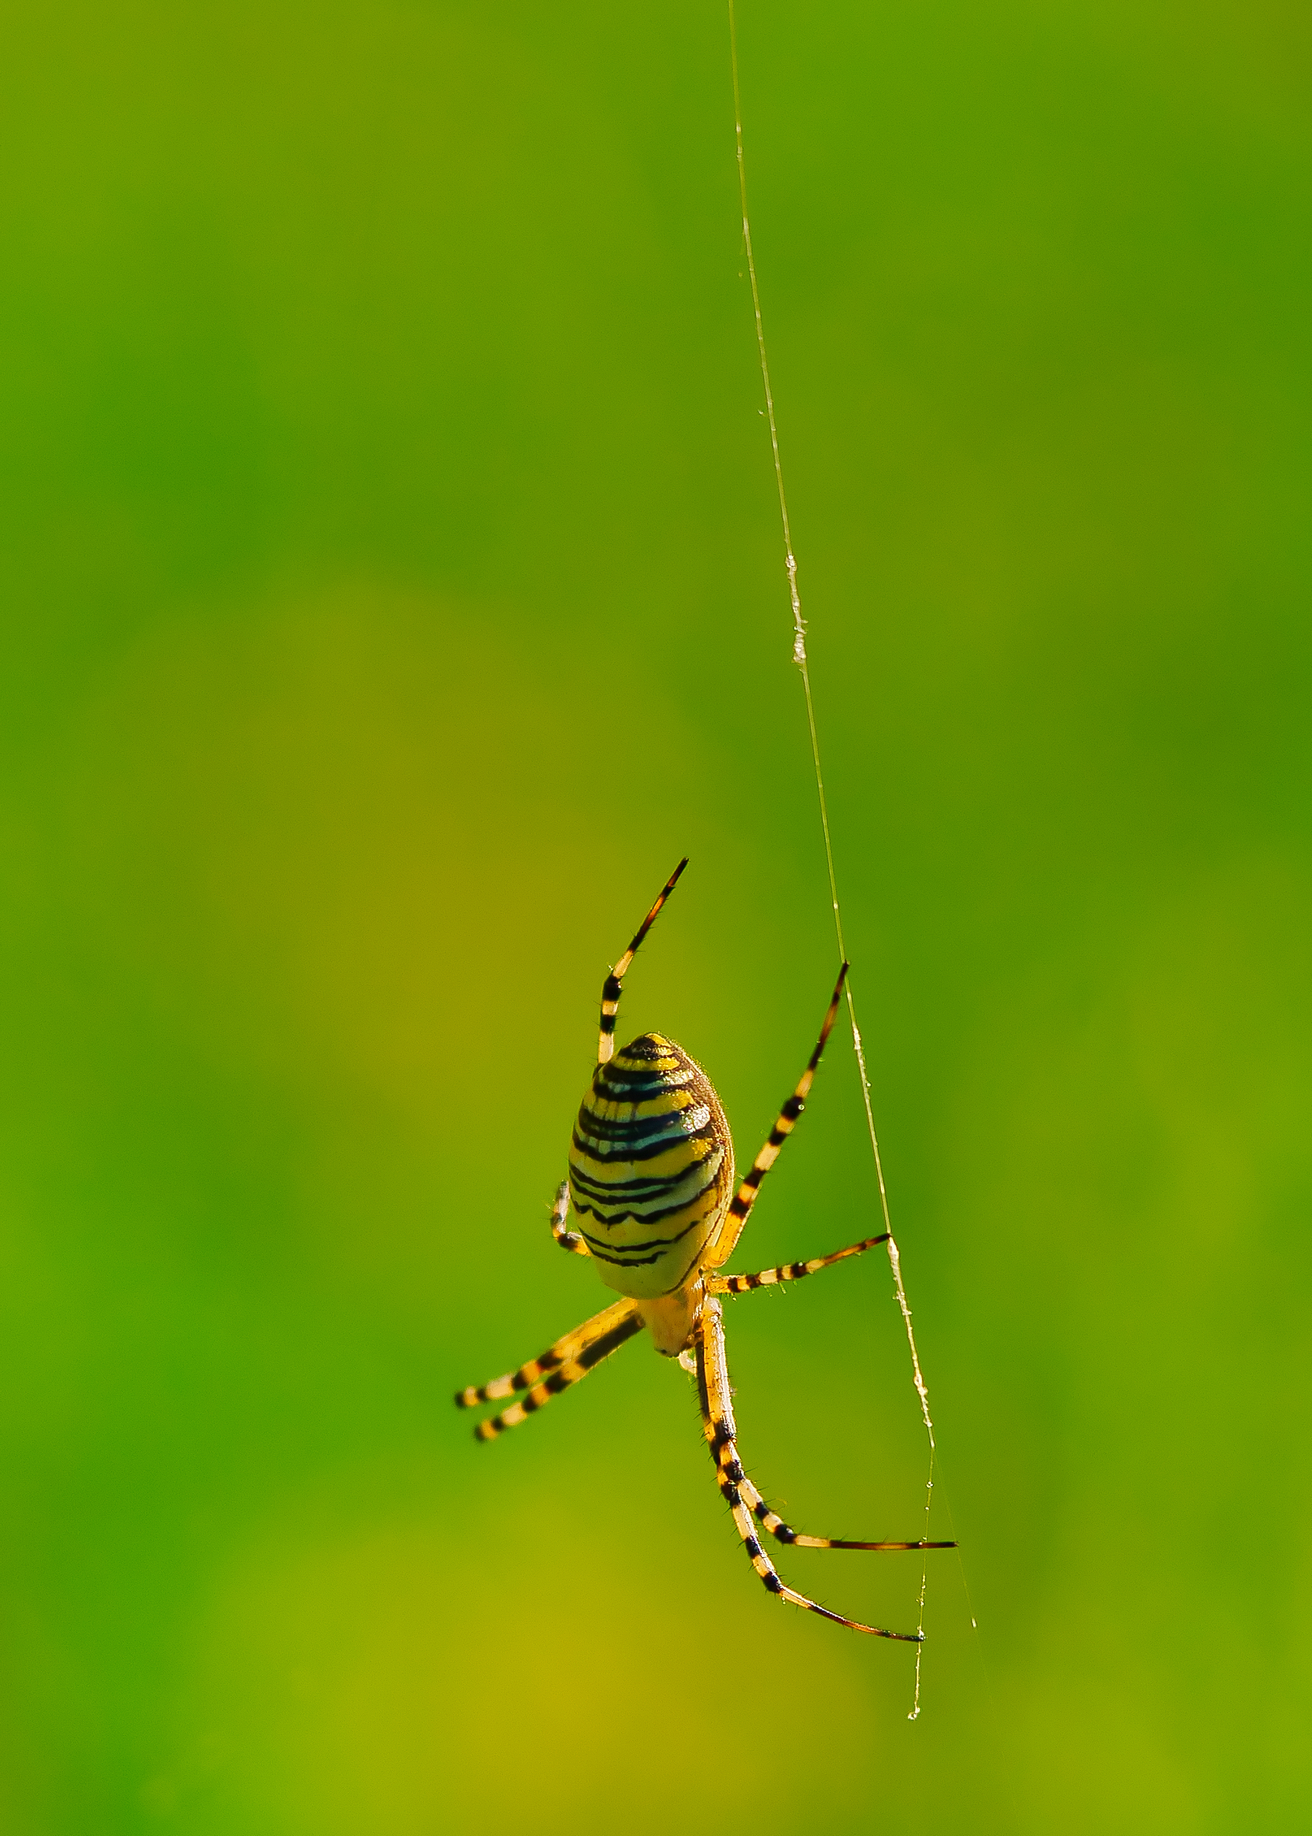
x: 393, y: 594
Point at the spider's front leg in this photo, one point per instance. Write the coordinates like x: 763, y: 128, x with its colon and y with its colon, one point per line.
x: 742, y: 1497
x: 553, y: 1370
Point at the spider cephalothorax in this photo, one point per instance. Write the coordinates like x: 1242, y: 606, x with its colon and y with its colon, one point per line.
x: 651, y: 1180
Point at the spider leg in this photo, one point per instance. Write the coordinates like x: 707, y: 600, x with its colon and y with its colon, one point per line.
x: 745, y: 1197
x: 793, y: 1271
x: 554, y: 1370
x: 788, y: 1271
x: 798, y: 1539
x: 569, y: 1240
x: 720, y: 1432
x: 610, y: 988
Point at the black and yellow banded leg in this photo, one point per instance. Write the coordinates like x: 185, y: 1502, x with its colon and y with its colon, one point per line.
x: 799, y: 1539
x: 745, y: 1197
x: 567, y: 1346
x: 561, y: 1365
x: 789, y: 1271
x: 720, y: 1431
x: 610, y: 989
x: 745, y: 1284
x: 568, y: 1239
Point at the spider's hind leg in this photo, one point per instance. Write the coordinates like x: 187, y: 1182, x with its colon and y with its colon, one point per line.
x: 726, y: 1238
x: 610, y: 988
x: 570, y: 1240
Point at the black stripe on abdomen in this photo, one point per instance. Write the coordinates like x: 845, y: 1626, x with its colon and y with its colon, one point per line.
x: 642, y: 1150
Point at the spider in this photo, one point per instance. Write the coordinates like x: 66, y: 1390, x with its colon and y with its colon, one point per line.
x: 651, y: 1181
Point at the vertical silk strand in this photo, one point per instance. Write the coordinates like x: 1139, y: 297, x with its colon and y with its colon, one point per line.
x: 800, y: 658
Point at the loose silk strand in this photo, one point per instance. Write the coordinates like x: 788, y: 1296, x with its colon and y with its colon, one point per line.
x: 800, y: 658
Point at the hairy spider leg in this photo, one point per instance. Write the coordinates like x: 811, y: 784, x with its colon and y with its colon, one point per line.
x: 741, y: 1204
x: 799, y: 1539
x: 789, y: 1271
x: 568, y: 1239
x: 564, y: 1347
x: 610, y: 988
x: 746, y: 1284
x: 554, y: 1370
x: 720, y: 1432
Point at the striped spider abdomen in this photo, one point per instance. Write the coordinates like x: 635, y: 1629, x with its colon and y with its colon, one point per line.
x: 650, y: 1167
x: 651, y: 1180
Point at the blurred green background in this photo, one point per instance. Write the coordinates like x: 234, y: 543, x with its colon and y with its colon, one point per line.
x: 393, y: 594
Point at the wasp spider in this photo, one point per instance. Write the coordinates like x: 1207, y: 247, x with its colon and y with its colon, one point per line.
x: 651, y: 1181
